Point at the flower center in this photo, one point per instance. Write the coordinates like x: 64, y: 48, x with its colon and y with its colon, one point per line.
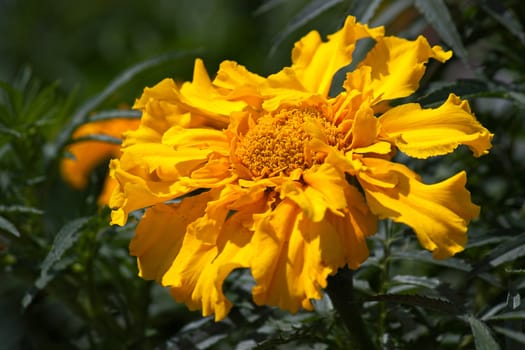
x: 279, y: 142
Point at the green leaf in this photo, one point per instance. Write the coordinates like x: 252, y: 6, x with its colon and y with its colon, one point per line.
x: 98, y: 137
x: 482, y: 241
x: 513, y: 315
x: 364, y: 10
x: 504, y: 16
x: 12, y: 99
x: 65, y: 239
x: 417, y: 300
x: 509, y: 250
x: 437, y: 14
x: 452, y: 263
x: 483, y: 339
x: 6, y: 225
x: 9, y: 131
x: 430, y: 283
x: 309, y: 12
x: 112, y: 114
x: 20, y: 209
x: 267, y: 6
x: 391, y: 10
x: 464, y: 88
x: 518, y: 336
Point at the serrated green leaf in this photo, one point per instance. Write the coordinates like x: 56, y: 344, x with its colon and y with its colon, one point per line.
x: 65, y: 239
x: 518, y: 336
x: 7, y: 226
x: 309, y: 12
x: 464, y: 88
x: 504, y: 16
x: 513, y: 315
x: 453, y: 263
x: 417, y: 300
x: 483, y: 339
x: 437, y: 14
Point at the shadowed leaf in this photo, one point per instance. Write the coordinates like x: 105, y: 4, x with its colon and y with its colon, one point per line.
x: 437, y: 14
x: 65, y: 239
x: 311, y: 11
x: 483, y: 339
x: 6, y: 225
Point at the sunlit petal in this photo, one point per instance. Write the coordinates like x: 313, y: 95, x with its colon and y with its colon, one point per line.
x: 422, y: 133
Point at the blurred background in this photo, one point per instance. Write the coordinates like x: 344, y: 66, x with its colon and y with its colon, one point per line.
x: 84, y: 44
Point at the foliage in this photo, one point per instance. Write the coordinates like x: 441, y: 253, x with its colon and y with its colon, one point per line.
x: 68, y: 281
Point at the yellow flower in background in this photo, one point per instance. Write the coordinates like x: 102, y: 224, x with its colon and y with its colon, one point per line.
x: 88, y: 154
x: 294, y: 179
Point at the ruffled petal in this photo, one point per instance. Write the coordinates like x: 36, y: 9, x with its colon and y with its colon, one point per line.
x: 316, y: 61
x: 198, y: 272
x: 160, y: 233
x: 288, y: 268
x: 422, y: 133
x: 357, y: 224
x: 438, y: 213
x: 137, y: 190
x: 202, y: 97
x: 324, y: 190
x: 295, y: 254
x: 397, y: 65
x: 240, y: 83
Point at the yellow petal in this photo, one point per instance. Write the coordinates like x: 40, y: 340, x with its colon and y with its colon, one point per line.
x: 316, y: 62
x: 198, y: 272
x: 201, y: 96
x: 357, y: 224
x: 325, y: 190
x: 240, y: 83
x: 422, y: 133
x: 160, y: 233
x: 295, y: 254
x: 136, y: 190
x: 365, y: 128
x: 397, y: 65
x: 285, y: 87
x: 197, y: 138
x: 438, y: 213
x: 288, y: 268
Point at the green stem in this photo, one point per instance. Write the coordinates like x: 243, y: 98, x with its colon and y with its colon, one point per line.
x: 340, y: 290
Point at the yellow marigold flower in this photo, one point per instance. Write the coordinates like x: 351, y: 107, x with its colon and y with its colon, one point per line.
x: 296, y: 179
x: 86, y: 155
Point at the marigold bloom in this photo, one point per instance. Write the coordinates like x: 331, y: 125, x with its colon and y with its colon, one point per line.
x: 88, y: 154
x: 296, y: 179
